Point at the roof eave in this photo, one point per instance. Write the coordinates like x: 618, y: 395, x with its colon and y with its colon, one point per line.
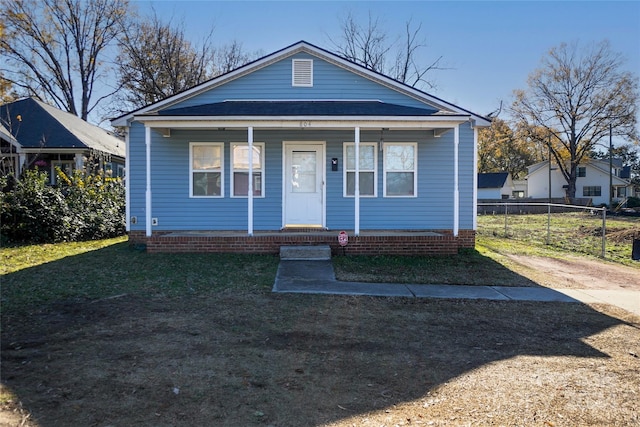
x: 275, y: 122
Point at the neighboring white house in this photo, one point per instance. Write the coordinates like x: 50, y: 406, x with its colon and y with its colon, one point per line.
x: 497, y: 185
x: 592, y: 182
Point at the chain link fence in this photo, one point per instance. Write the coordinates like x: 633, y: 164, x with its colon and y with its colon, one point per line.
x: 569, y: 227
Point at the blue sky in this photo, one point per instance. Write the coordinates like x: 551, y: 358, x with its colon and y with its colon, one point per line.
x: 490, y: 46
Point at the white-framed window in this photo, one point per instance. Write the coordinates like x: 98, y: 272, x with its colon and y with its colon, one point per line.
x: 240, y: 169
x: 581, y: 172
x: 400, y: 169
x: 206, y: 169
x: 368, y: 169
x: 591, y: 190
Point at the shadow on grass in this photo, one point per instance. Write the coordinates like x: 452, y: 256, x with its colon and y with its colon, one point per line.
x: 185, y: 347
x: 469, y: 267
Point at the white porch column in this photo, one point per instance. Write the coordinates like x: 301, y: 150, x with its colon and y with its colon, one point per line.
x: 250, y: 183
x: 356, y: 194
x: 475, y: 178
x: 147, y: 141
x: 456, y: 191
x: 78, y: 158
x: 22, y: 159
x: 127, y: 189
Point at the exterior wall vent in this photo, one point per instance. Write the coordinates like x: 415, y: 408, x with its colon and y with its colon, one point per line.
x: 302, y: 72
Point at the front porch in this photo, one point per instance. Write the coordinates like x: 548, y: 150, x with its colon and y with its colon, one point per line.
x: 367, y: 242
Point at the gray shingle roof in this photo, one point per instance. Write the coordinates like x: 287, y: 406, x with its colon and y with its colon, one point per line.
x: 35, y: 124
x: 492, y: 180
x: 299, y: 108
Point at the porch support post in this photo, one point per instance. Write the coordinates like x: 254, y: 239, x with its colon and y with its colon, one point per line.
x: 250, y: 183
x: 456, y: 191
x: 356, y: 194
x: 22, y: 160
x: 475, y: 177
x: 127, y: 187
x: 147, y: 141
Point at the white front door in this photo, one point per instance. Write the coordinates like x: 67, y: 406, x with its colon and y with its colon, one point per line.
x: 304, y: 174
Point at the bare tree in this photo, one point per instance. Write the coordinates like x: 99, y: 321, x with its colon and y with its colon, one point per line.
x: 575, y: 97
x: 370, y: 46
x: 56, y: 48
x: 156, y: 60
x: 231, y: 56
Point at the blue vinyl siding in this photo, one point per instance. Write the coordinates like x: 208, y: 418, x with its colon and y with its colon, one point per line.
x: 175, y: 210
x: 274, y: 82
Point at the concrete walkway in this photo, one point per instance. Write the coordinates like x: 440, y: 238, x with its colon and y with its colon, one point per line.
x: 318, y: 277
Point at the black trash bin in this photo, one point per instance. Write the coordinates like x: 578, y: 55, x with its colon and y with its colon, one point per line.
x: 635, y: 251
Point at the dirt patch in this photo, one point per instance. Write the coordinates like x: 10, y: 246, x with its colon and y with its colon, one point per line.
x: 257, y: 358
x: 578, y: 273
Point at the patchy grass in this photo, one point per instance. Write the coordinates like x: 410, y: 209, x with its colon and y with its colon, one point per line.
x: 470, y: 267
x: 569, y: 233
x: 37, y: 275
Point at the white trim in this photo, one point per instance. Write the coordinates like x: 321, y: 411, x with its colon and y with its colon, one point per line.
x: 304, y: 122
x: 250, y: 180
x: 456, y: 184
x: 127, y: 182
x: 323, y: 168
x: 356, y: 190
x: 414, y: 171
x: 147, y: 141
x: 192, y: 171
x: 475, y: 178
x: 346, y: 170
x: 261, y: 146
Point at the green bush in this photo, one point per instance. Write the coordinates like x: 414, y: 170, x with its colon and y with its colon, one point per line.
x: 633, y: 202
x: 84, y: 207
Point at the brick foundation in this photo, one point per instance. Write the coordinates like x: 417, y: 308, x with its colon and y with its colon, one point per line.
x: 383, y: 242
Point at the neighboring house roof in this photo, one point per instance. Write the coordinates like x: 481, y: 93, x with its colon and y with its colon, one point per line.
x: 492, y: 180
x: 302, y: 108
x: 6, y: 135
x: 442, y: 107
x: 36, y: 125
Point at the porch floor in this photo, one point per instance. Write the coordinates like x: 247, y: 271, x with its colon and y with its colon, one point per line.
x: 305, y: 232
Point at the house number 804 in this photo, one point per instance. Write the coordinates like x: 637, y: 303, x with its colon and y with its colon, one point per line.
x: 305, y: 124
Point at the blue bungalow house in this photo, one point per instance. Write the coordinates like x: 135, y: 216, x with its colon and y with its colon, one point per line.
x: 294, y: 148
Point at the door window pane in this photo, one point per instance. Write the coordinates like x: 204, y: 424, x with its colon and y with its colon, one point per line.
x: 303, y: 172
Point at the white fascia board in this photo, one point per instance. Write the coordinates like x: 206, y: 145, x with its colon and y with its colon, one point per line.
x: 404, y: 122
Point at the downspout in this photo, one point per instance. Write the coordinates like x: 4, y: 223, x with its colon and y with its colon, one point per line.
x: 250, y: 182
x: 456, y: 190
x: 147, y: 141
x: 356, y: 194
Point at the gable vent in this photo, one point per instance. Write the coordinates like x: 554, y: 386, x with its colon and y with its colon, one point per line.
x: 302, y: 74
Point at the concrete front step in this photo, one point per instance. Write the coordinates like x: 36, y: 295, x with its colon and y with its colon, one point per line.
x: 305, y: 253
